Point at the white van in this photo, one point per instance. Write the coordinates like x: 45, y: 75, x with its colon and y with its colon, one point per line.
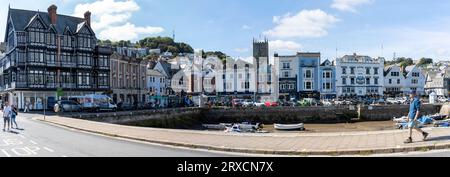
x: 96, y: 102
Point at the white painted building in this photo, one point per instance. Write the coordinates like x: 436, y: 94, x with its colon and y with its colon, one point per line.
x: 358, y: 75
x: 236, y: 77
x: 415, y: 80
x: 438, y: 82
x: 394, y: 80
x: 399, y: 81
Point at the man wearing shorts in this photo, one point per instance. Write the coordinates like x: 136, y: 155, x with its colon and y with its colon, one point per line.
x: 6, y: 116
x: 413, y: 116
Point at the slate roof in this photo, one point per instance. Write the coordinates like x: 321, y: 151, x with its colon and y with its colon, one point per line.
x: 21, y: 19
x: 167, y: 68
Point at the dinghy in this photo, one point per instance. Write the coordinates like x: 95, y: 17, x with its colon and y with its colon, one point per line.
x: 215, y: 126
x: 289, y: 126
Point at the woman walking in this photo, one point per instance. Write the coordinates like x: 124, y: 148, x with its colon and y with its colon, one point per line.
x: 6, y: 116
x: 14, y: 114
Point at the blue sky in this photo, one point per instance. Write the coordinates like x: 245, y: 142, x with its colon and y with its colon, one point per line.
x: 413, y: 28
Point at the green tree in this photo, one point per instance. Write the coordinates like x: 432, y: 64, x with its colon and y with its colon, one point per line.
x: 425, y: 61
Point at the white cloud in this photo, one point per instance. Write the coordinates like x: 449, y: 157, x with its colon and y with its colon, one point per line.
x: 280, y: 45
x: 435, y: 44
x: 241, y: 50
x: 110, y: 19
x: 246, y: 27
x: 127, y: 32
x: 349, y: 5
x: 305, y: 24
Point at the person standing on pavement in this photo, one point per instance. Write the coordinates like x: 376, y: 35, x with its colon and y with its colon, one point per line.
x: 27, y: 104
x: 14, y: 113
x: 6, y: 116
x: 413, y: 116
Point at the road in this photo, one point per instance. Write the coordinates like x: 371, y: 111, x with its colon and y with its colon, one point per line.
x: 38, y: 139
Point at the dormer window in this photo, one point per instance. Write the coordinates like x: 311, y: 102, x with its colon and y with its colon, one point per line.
x: 51, y: 38
x: 66, y: 41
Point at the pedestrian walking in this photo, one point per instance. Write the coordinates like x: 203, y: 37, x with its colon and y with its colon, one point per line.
x: 14, y: 114
x: 6, y: 116
x: 413, y: 116
x: 27, y: 105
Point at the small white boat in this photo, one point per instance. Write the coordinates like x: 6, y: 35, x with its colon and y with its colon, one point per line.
x: 401, y: 119
x: 248, y: 126
x: 234, y: 128
x: 214, y: 126
x: 300, y: 126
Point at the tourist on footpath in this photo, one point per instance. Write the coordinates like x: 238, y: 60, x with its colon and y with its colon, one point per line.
x: 413, y: 116
x: 27, y: 105
x: 14, y: 113
x: 6, y: 116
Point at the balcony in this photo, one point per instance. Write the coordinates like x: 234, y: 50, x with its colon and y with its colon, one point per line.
x: 85, y: 66
x: 103, y: 67
x: 68, y: 85
x: 103, y: 87
x: 51, y: 85
x: 85, y: 86
x: 40, y: 86
x: 67, y: 64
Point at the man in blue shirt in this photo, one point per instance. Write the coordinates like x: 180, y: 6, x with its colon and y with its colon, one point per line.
x: 413, y: 116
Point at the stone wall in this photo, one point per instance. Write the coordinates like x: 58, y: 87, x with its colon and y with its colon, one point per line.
x: 281, y: 115
x: 445, y: 109
x: 381, y: 113
x: 193, y: 118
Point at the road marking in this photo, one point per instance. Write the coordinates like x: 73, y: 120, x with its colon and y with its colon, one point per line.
x: 33, y: 142
x: 6, y: 153
x: 25, y: 151
x: 22, y: 136
x: 48, y: 149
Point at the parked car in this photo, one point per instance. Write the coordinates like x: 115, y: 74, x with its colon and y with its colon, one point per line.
x: 259, y: 104
x: 125, y: 106
x: 271, y: 104
x: 67, y: 106
x: 443, y: 100
x: 247, y: 103
x: 401, y: 100
x: 379, y: 102
x: 326, y: 103
x: 391, y: 101
x: 237, y: 102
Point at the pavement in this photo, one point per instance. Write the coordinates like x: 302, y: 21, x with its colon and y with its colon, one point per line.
x: 39, y: 139
x: 297, y: 144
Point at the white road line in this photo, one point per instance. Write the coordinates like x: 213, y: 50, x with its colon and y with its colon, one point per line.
x: 22, y: 136
x: 33, y: 142
x: 6, y: 153
x: 48, y: 149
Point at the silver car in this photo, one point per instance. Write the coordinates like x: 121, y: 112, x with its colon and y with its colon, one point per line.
x: 67, y: 106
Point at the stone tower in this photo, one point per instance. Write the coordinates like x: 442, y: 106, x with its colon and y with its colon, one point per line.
x: 261, y: 58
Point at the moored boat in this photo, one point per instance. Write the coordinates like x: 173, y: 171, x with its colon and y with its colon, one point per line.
x: 300, y: 126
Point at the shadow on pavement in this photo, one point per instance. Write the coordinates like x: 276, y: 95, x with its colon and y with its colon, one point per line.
x: 441, y: 138
x: 13, y: 132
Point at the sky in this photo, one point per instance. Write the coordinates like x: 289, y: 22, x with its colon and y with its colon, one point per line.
x: 409, y: 28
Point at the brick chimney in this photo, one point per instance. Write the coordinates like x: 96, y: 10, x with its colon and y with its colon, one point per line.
x: 87, y: 17
x: 52, y: 13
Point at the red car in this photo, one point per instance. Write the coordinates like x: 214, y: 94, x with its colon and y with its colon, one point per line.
x: 237, y: 102
x: 271, y: 104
